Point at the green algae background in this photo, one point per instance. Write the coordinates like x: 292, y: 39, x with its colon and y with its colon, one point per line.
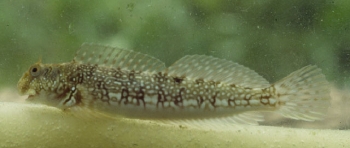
x: 272, y: 37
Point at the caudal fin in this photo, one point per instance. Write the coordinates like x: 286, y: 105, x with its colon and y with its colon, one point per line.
x: 304, y: 94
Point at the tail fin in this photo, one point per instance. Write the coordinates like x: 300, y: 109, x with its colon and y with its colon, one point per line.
x: 304, y: 94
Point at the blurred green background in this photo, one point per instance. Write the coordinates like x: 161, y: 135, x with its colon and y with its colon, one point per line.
x: 272, y: 37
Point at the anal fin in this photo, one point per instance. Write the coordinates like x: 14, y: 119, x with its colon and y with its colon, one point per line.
x: 89, y: 114
x: 219, y: 123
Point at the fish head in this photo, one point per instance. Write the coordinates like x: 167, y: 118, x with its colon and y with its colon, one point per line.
x: 41, y: 83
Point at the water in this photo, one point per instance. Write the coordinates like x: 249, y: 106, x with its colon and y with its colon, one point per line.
x: 271, y: 37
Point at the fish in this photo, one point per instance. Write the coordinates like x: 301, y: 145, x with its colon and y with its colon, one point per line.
x: 196, y: 89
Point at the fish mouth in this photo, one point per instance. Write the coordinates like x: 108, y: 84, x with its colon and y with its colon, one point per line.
x: 31, y: 94
x: 31, y: 97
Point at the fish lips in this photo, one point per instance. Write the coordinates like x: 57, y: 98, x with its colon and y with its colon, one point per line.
x: 31, y: 97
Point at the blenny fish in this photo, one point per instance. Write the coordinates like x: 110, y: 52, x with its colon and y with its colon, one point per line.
x: 195, y: 89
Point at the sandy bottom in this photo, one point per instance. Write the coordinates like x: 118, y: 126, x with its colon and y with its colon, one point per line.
x: 29, y: 125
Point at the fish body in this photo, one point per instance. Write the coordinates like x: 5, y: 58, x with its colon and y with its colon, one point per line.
x: 197, y: 87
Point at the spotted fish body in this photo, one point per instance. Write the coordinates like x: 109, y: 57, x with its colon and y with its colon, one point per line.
x: 116, y: 81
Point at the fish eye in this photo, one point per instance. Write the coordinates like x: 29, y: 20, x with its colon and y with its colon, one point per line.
x: 35, y: 70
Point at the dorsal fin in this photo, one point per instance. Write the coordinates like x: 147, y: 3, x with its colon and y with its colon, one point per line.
x: 106, y: 56
x: 217, y: 70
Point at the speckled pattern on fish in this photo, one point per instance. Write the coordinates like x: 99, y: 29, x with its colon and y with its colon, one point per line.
x: 195, y: 88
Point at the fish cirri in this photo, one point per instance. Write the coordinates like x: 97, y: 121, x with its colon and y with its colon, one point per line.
x: 196, y: 88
